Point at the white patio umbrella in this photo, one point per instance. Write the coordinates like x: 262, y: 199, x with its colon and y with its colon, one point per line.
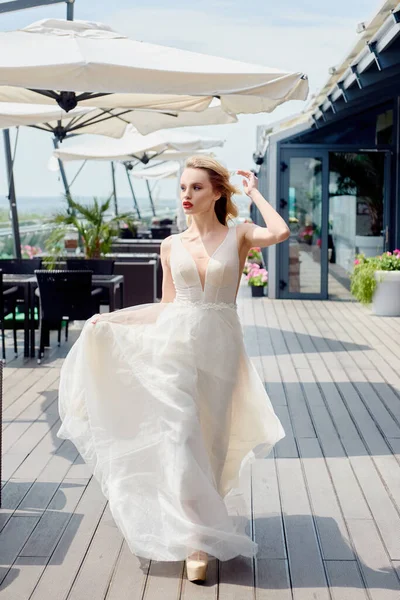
x: 162, y: 170
x: 171, y: 143
x: 133, y: 145
x: 98, y: 121
x: 87, y: 63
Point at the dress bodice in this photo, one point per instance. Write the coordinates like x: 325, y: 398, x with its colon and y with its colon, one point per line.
x: 221, y: 277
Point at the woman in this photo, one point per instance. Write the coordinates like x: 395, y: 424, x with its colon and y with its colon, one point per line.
x: 162, y: 400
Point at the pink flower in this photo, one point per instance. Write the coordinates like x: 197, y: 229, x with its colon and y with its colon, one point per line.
x: 397, y: 251
x: 357, y: 261
x: 389, y: 253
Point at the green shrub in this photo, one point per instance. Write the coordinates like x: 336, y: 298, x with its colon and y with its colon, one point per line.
x: 363, y: 282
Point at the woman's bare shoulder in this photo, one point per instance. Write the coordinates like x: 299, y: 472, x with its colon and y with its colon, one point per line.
x: 166, y: 242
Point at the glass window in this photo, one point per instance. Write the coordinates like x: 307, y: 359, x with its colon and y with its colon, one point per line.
x: 384, y: 128
x: 305, y: 197
x: 356, y: 192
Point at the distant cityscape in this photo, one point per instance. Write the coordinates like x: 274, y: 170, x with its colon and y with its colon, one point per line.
x: 45, y: 206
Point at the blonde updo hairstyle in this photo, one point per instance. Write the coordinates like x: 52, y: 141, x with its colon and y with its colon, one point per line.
x: 225, y: 208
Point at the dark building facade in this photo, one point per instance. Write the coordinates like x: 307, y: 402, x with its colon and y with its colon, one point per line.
x: 335, y: 175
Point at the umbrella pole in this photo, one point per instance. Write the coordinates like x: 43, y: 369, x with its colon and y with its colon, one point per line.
x: 151, y: 198
x: 64, y: 178
x: 114, y: 188
x: 70, y: 10
x: 11, y: 194
x: 133, y: 193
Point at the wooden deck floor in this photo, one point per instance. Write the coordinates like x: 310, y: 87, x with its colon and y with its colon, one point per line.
x: 325, y: 507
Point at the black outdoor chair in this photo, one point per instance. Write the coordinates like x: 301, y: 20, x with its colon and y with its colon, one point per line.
x: 99, y: 266
x: 64, y: 296
x: 22, y: 265
x: 8, y: 305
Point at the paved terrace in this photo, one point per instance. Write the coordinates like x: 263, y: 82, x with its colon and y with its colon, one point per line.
x: 324, y: 508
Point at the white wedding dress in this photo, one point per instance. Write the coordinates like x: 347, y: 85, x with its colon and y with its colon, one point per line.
x: 163, y: 403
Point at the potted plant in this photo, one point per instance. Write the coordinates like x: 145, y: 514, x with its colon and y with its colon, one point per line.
x: 377, y: 279
x: 254, y: 255
x: 128, y: 230
x: 95, y: 232
x: 257, y: 278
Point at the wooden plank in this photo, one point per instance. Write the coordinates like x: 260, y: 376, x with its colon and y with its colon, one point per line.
x: 382, y: 508
x: 46, y: 534
x: 129, y: 577
x: 165, y: 580
x: 302, y: 542
x: 272, y: 376
x: 334, y: 538
x: 267, y: 513
x: 388, y: 395
x: 37, y: 412
x: 300, y: 418
x: 12, y: 539
x: 48, y: 447
x: 46, y: 390
x: 20, y: 588
x: 98, y: 564
x: 271, y: 568
x: 345, y: 580
x: 238, y: 573
x: 35, y: 433
x: 374, y: 562
x: 286, y: 447
x: 64, y: 564
x: 12, y: 494
x: 21, y: 387
x: 272, y: 580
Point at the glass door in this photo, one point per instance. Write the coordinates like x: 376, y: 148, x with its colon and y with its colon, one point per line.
x: 336, y: 204
x: 304, y: 204
x: 357, y: 221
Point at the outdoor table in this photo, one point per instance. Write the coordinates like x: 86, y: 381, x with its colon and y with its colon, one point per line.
x: 29, y: 284
x: 113, y: 283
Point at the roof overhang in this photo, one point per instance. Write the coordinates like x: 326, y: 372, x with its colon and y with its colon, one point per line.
x: 377, y: 60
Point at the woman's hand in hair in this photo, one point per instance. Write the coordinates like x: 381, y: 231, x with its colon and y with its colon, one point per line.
x: 250, y: 182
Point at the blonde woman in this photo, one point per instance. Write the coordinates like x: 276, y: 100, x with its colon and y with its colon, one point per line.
x: 162, y: 400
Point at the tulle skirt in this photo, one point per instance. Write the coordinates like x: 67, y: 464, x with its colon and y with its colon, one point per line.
x: 164, y: 405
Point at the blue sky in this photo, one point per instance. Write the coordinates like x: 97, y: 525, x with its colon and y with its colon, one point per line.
x: 301, y: 35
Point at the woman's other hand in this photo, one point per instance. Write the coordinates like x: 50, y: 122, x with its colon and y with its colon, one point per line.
x: 250, y: 183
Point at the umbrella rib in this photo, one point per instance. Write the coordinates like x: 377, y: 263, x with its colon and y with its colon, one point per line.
x: 48, y: 93
x: 93, y: 121
x: 90, y: 95
x: 48, y: 127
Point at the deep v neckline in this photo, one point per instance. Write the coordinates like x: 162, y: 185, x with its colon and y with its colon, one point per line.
x: 210, y: 257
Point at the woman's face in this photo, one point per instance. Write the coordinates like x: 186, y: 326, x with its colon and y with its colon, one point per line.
x: 197, y: 194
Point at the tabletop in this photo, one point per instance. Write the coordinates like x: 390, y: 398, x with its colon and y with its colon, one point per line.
x: 29, y: 278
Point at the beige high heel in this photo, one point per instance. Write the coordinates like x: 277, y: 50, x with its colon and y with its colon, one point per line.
x: 196, y: 566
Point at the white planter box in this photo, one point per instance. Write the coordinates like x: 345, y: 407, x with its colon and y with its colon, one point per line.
x: 386, y: 300
x: 369, y: 245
